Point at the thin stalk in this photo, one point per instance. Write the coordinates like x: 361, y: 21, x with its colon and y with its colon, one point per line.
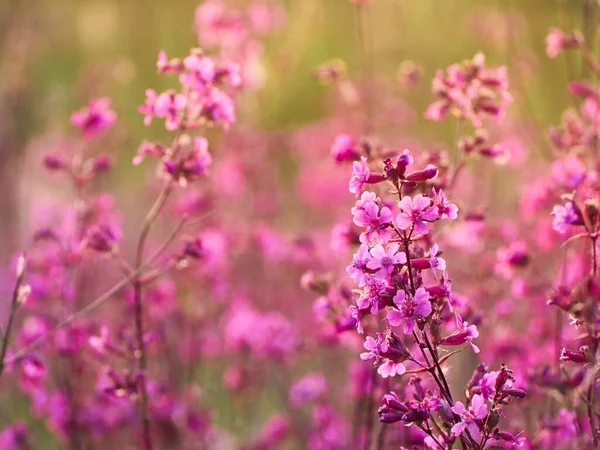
x: 140, y: 353
x: 368, y: 409
x: 100, y: 300
x: 14, y: 306
x: 459, y: 161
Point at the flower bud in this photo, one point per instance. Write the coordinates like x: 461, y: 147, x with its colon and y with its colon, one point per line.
x: 493, y: 419
x: 54, y: 161
x: 576, y: 357
x: 445, y: 412
x: 102, y: 163
x: 429, y: 173
x: 517, y: 393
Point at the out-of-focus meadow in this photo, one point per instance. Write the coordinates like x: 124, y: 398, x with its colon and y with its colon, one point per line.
x: 58, y: 54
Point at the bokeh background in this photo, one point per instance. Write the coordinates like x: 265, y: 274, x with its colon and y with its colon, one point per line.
x: 57, y: 54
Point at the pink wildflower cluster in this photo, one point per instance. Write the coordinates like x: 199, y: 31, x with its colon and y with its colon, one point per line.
x: 346, y: 283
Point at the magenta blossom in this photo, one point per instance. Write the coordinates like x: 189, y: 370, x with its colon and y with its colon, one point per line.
x: 433, y: 262
x: 563, y: 217
x: 555, y: 42
x: 356, y: 269
x: 388, y: 349
x: 409, y: 310
x: 94, y: 118
x: 343, y: 149
x: 308, y: 388
x: 416, y: 212
x: 385, y: 261
x: 465, y: 333
x: 148, y: 107
x: 360, y: 175
x: 446, y: 209
x: 477, y: 411
x: 169, y: 105
x: 375, y: 218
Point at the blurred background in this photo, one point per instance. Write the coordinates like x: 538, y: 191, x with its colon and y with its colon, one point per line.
x: 57, y: 54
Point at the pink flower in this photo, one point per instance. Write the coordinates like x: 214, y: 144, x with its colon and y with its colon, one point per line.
x: 389, y: 349
x: 409, y: 310
x: 14, y: 437
x: 356, y: 269
x: 385, y: 261
x: 391, y: 368
x: 360, y: 175
x: 465, y: 333
x: 343, y: 148
x: 477, y: 411
x: 511, y: 257
x: 165, y: 65
x: 169, y: 105
x: 213, y: 106
x: 415, y: 212
x: 94, y: 118
x: 192, y: 163
x: 563, y: 217
x: 555, y: 42
x: 437, y: 110
x: 202, y: 71
x: 308, y: 388
x: 446, y: 209
x: 148, y: 149
x: 377, y: 219
x: 148, y: 107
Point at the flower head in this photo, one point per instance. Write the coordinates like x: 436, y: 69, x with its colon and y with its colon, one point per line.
x: 360, y: 175
x: 95, y: 118
x: 477, y: 411
x: 384, y: 261
x: 409, y: 310
x: 416, y: 212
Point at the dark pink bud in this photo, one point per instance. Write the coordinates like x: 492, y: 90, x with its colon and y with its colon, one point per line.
x: 421, y: 264
x: 102, y: 238
x: 193, y: 248
x: 577, y: 378
x: 429, y: 173
x: 505, y: 436
x: 375, y: 178
x: 437, y: 291
x: 582, y: 88
x: 54, y: 161
x: 576, y: 357
x: 517, y: 393
x: 101, y: 163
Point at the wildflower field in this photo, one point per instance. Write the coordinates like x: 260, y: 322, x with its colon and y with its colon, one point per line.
x: 299, y: 224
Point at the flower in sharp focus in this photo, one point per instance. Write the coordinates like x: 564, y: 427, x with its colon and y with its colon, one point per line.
x: 477, y: 411
x: 408, y: 310
x: 416, y: 212
x: 465, y: 333
x: 446, y: 209
x: 384, y: 261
